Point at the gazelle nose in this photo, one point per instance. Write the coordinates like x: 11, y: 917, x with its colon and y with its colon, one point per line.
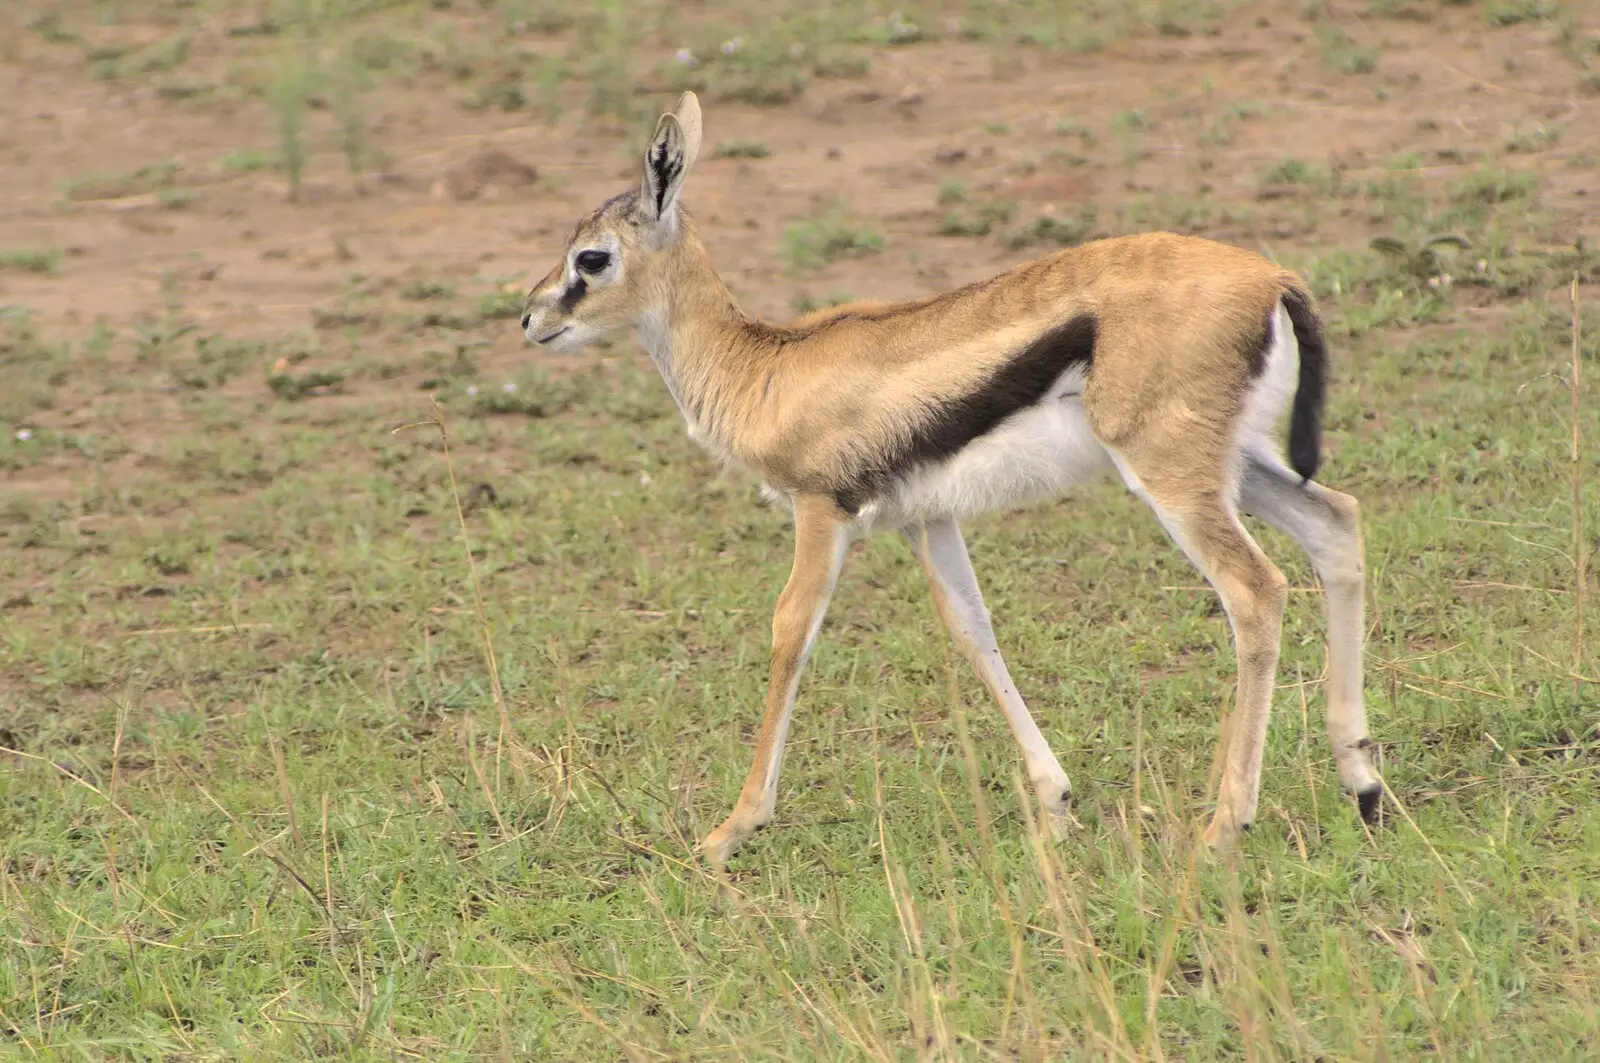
x: 525, y: 319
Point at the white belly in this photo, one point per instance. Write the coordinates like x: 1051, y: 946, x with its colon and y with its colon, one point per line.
x: 1035, y: 454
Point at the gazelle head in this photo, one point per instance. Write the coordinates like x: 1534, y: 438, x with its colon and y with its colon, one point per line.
x: 615, y: 269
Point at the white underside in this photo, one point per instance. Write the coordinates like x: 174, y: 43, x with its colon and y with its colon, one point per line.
x: 1050, y: 447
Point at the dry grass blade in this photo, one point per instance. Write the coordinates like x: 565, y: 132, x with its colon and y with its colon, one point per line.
x: 1580, y: 549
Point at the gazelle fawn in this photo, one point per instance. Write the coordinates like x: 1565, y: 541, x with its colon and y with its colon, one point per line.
x: 1162, y: 359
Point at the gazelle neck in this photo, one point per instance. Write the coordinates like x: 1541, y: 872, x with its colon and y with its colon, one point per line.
x: 701, y: 342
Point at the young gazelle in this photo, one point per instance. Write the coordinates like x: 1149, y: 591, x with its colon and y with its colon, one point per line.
x: 1164, y: 359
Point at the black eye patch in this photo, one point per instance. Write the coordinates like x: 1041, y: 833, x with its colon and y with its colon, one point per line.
x: 593, y: 261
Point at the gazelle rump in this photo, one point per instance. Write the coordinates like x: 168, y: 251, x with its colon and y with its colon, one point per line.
x: 1163, y: 359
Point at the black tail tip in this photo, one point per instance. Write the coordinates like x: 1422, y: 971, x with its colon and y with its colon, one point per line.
x: 1370, y: 801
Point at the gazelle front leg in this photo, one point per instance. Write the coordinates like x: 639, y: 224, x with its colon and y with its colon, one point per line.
x: 822, y: 533
x: 960, y: 604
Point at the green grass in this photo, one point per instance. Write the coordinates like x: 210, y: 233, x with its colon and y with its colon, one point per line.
x: 414, y: 881
x: 31, y: 259
x: 741, y: 149
x: 815, y: 242
x: 264, y: 804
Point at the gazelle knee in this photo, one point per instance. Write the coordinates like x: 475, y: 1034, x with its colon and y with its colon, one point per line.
x: 1339, y: 558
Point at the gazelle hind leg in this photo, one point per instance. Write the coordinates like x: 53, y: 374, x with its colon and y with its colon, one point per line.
x: 1327, y: 526
x: 959, y: 602
x: 1197, y: 512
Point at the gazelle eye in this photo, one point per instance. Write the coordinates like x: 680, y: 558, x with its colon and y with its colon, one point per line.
x: 593, y: 261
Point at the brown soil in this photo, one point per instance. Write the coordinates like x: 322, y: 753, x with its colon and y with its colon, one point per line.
x: 460, y: 199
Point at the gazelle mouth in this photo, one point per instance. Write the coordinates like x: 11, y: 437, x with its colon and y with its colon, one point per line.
x: 546, y: 339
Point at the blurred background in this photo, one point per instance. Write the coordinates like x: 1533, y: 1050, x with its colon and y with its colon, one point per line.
x: 267, y: 792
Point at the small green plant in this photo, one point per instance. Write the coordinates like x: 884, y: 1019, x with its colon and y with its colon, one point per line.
x: 1049, y: 229
x: 31, y: 260
x: 289, y: 95
x: 420, y: 290
x: 1130, y: 121
x: 1492, y: 186
x: 506, y: 95
x: 741, y: 149
x: 1425, y: 258
x: 1342, y: 54
x: 117, y: 186
x: 998, y: 129
x: 978, y: 219
x: 805, y: 304
x: 249, y: 160
x: 550, y: 76
x: 610, y: 81
x: 1294, y: 173
x: 952, y: 190
x: 1071, y: 127
x: 501, y: 304
x: 816, y: 242
x: 346, y: 83
x: 1528, y: 139
x: 296, y: 386
x: 1511, y: 12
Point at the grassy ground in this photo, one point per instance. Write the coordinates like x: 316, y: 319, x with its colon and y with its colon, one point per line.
x: 273, y: 791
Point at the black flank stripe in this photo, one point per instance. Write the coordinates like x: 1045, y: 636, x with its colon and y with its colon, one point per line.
x: 1019, y: 384
x: 574, y: 295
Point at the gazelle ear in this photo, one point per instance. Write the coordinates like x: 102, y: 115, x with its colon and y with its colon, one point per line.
x: 667, y: 160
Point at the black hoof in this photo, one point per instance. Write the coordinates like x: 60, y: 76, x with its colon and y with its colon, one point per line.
x: 1370, y: 800
x: 1244, y: 828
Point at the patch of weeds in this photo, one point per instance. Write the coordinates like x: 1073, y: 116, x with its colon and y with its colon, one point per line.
x: 1173, y: 213
x: 1294, y: 173
x: 1049, y: 229
x: 1528, y: 139
x: 893, y: 30
x: 118, y: 186
x: 978, y: 219
x: 817, y: 241
x: 952, y: 190
x: 49, y: 27
x: 1424, y: 259
x: 761, y: 72
x: 176, y: 91
x: 346, y: 82
x: 324, y: 319
x: 422, y: 290
x: 741, y: 149
x: 550, y: 76
x: 610, y: 81
x: 530, y: 393
x: 1071, y: 127
x: 173, y: 198
x: 249, y: 160
x: 1130, y: 121
x: 293, y: 387
x: 998, y: 129
x: 264, y: 27
x: 506, y: 95
x: 289, y: 95
x: 218, y: 359
x: 379, y: 52
x: 110, y: 62
x: 1512, y: 12
x: 805, y: 304
x: 1342, y: 54
x: 31, y: 260
x: 1494, y: 186
x: 506, y: 303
